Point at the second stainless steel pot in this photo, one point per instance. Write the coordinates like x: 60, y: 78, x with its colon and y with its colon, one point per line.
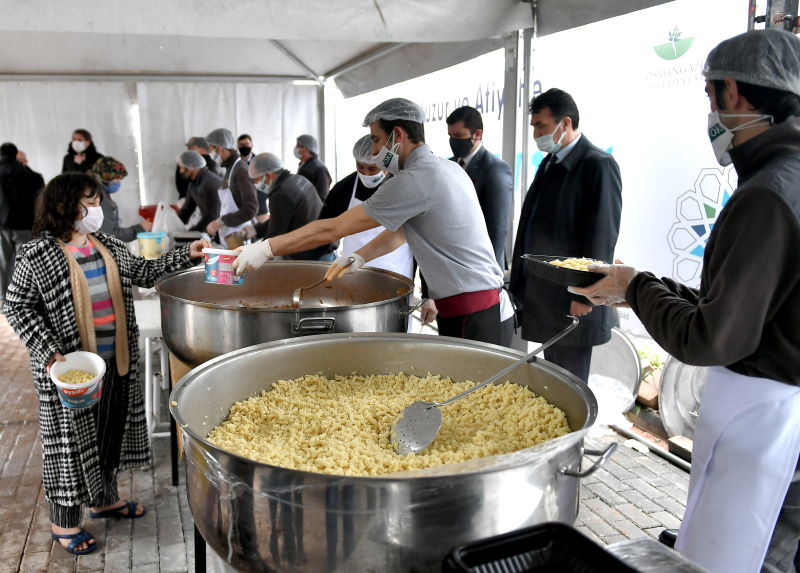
x: 200, y: 320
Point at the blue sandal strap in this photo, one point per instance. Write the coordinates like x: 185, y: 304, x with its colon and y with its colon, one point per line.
x: 82, y: 536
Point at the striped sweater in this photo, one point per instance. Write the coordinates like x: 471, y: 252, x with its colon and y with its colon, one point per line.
x: 92, y: 265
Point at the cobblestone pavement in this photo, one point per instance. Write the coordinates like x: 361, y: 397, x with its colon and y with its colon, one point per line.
x: 634, y: 495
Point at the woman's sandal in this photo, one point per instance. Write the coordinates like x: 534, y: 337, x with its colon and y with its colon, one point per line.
x: 82, y: 536
x: 120, y: 512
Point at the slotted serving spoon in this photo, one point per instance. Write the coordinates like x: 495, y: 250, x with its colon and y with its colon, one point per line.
x: 419, y: 423
x: 297, y: 294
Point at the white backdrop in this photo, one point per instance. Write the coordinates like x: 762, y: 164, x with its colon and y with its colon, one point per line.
x: 154, y: 117
x: 39, y: 117
x: 273, y: 114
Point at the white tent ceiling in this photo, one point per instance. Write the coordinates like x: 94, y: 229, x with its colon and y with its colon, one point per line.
x: 365, y: 44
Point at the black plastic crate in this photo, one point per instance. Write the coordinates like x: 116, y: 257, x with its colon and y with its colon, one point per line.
x: 549, y: 547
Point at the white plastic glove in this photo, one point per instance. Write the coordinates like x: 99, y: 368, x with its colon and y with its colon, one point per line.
x: 343, y: 265
x: 252, y: 256
x: 428, y: 311
x: 610, y: 290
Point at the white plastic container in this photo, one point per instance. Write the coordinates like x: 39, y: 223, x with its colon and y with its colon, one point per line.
x: 219, y: 267
x: 84, y: 394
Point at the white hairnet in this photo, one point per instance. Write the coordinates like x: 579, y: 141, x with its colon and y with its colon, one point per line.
x: 309, y: 142
x: 396, y: 108
x: 362, y: 150
x: 191, y: 160
x: 769, y: 58
x: 221, y: 137
x: 264, y: 163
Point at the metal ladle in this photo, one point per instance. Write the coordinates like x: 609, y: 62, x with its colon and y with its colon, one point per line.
x: 419, y: 423
x: 298, y: 291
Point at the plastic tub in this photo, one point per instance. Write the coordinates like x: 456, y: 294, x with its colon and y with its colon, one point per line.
x: 152, y: 245
x: 219, y: 267
x: 84, y: 394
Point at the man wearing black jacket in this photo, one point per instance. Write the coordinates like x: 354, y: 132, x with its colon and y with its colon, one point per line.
x: 572, y: 209
x: 311, y: 167
x: 293, y: 202
x: 742, y: 323
x: 19, y: 185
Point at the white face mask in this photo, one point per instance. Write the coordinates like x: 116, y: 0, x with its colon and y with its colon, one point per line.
x: 297, y: 153
x: 371, y: 181
x: 79, y: 146
x: 388, y: 157
x: 263, y: 186
x: 91, y: 222
x: 546, y: 144
x: 722, y: 137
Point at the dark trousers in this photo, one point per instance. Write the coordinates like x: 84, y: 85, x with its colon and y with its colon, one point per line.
x: 576, y: 359
x: 782, y: 553
x: 111, y: 415
x: 483, y: 326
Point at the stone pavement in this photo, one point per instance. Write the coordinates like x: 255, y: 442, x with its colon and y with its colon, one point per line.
x: 635, y: 495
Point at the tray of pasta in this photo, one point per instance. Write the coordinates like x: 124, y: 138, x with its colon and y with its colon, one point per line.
x: 567, y: 271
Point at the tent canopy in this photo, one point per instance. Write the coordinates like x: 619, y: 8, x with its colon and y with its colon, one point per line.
x: 364, y: 44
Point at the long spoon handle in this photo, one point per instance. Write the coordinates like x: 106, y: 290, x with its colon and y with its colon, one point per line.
x: 514, y: 365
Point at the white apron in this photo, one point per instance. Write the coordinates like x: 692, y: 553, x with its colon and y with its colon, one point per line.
x: 746, y: 446
x: 228, y: 205
x: 398, y: 261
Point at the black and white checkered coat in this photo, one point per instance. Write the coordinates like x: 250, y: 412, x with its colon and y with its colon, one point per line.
x: 40, y: 309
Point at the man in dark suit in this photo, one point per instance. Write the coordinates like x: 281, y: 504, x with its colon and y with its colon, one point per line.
x: 572, y: 209
x: 491, y: 176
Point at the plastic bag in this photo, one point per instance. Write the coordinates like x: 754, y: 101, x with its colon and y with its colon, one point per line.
x: 166, y: 220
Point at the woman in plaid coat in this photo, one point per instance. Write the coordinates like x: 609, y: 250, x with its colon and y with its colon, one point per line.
x: 71, y: 290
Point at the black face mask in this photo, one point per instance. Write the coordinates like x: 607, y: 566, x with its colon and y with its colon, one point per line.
x: 461, y: 147
x: 244, y: 151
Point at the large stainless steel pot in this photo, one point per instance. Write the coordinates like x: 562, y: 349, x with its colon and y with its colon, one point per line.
x: 265, y: 518
x: 201, y: 320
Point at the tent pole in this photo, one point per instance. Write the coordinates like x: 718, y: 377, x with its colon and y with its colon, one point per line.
x: 312, y: 75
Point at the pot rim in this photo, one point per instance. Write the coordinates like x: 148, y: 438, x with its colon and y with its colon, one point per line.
x: 581, y: 387
x: 200, y: 270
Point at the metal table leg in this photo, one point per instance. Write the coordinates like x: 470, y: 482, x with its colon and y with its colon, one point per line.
x: 199, y: 552
x: 173, y: 449
x: 148, y: 384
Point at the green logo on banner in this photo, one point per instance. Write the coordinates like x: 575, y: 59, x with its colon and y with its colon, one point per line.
x: 675, y: 48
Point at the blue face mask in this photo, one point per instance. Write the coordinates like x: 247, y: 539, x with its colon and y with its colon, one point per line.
x: 113, y: 186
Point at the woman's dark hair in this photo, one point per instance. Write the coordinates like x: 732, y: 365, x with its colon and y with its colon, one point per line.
x: 781, y: 105
x: 560, y: 104
x: 87, y: 136
x: 59, y: 205
x: 415, y: 131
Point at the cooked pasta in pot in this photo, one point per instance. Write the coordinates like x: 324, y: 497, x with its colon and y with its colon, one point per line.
x: 341, y: 425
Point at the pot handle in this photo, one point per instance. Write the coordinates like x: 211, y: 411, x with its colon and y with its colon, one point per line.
x: 411, y: 309
x: 314, y: 324
x: 604, y: 455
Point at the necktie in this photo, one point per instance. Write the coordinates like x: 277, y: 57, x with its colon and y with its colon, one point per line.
x: 461, y: 163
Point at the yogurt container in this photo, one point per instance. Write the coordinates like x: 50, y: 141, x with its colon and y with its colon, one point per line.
x: 219, y: 267
x: 84, y: 394
x: 152, y: 244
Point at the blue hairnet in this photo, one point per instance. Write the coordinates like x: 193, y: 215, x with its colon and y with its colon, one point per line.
x: 191, y: 160
x: 309, y: 143
x: 362, y: 150
x: 264, y: 163
x: 221, y: 137
x: 396, y: 108
x: 769, y: 58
